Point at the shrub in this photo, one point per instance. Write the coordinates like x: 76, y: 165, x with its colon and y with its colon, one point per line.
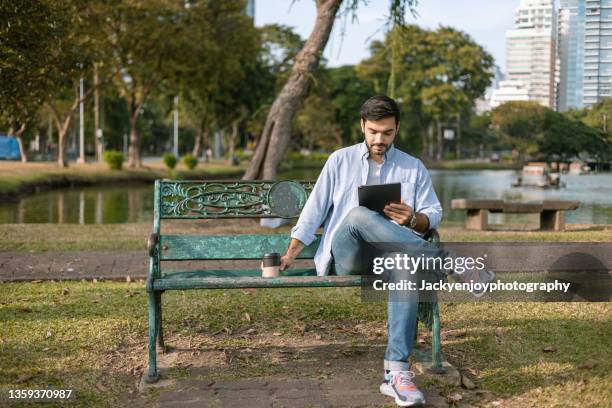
x: 170, y: 160
x: 114, y: 159
x: 190, y: 161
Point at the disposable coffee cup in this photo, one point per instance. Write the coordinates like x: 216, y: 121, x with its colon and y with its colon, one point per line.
x: 270, y: 265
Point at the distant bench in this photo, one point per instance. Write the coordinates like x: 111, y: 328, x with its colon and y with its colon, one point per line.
x: 552, y: 212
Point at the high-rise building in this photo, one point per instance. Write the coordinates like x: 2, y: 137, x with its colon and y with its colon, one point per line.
x: 531, y: 50
x: 250, y: 8
x: 597, y: 77
x: 570, y: 48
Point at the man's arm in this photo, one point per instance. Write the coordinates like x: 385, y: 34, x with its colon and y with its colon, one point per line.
x: 294, y: 249
x: 313, y: 214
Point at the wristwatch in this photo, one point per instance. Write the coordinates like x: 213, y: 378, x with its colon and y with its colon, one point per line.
x: 413, y: 221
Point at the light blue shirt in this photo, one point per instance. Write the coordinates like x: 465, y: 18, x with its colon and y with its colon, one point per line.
x: 335, y: 194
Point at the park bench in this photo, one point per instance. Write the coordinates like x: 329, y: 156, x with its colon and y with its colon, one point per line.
x: 552, y: 212
x: 176, y: 199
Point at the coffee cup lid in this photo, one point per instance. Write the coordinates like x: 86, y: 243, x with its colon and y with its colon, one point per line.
x: 271, y: 255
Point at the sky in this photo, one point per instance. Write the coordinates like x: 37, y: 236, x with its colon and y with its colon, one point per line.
x: 485, y: 20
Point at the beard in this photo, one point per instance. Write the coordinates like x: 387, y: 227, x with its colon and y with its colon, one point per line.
x: 378, y: 149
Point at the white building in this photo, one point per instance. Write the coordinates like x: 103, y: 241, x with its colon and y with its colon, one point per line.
x: 531, y: 52
x: 483, y: 104
x: 509, y: 90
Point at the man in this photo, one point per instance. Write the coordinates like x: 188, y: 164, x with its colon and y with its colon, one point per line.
x: 349, y: 228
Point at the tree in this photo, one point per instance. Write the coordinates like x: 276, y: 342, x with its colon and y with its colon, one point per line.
x: 277, y: 129
x: 347, y: 93
x: 522, y: 123
x: 39, y: 53
x: 147, y: 43
x: 565, y: 138
x: 436, y: 75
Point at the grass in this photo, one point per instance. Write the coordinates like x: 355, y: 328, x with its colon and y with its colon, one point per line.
x: 74, y: 237
x: 92, y: 337
x: 17, y: 178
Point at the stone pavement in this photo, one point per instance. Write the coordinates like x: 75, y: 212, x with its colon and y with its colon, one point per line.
x: 341, y: 391
x: 350, y: 381
x: 115, y: 265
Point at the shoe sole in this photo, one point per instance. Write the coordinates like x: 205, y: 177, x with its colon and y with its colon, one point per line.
x: 389, y: 393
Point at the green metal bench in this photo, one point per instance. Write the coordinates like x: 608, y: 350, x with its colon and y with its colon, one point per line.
x: 176, y: 199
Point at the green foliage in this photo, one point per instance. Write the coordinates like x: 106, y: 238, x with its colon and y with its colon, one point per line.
x: 539, y: 131
x: 114, y: 159
x: 521, y: 123
x: 190, y: 161
x: 170, y: 160
x: 434, y: 75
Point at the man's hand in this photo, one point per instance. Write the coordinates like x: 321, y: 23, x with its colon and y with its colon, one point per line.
x: 286, y: 262
x: 399, y: 212
x: 294, y: 249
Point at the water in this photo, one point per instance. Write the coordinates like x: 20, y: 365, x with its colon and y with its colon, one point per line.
x: 134, y: 203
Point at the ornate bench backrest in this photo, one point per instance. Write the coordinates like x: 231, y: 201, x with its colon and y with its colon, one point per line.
x: 178, y: 199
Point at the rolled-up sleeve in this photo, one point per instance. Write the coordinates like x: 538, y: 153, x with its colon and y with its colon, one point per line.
x: 317, y: 206
x: 426, y: 201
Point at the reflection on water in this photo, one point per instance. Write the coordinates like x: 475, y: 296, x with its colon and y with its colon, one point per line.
x: 134, y: 203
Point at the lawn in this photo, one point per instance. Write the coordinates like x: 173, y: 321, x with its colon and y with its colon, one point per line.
x: 91, y: 337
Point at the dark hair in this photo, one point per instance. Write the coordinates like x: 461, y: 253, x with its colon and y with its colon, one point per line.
x: 380, y: 107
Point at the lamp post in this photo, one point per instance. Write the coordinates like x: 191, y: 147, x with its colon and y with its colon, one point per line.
x: 176, y: 125
x: 81, y: 158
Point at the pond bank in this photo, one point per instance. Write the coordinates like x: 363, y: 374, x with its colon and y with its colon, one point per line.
x: 20, y: 179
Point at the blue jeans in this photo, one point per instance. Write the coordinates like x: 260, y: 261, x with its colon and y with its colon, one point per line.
x: 360, y: 227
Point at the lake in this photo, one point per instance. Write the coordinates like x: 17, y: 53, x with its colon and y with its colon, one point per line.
x: 134, y: 202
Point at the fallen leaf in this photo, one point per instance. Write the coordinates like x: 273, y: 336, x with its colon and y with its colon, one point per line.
x: 65, y: 291
x: 46, y: 349
x: 101, y: 387
x: 276, y: 334
x: 327, y: 363
x: 474, y: 371
x: 251, y: 331
x: 49, y: 334
x: 588, y: 365
x: 23, y: 378
x: 467, y: 383
x: 454, y: 398
x: 247, y: 317
x: 549, y: 349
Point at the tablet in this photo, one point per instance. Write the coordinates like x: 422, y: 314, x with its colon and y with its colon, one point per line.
x: 376, y: 196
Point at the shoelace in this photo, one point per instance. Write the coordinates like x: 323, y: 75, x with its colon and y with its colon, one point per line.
x: 405, y: 378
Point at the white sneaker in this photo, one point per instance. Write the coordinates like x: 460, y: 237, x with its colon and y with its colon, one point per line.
x: 399, y: 385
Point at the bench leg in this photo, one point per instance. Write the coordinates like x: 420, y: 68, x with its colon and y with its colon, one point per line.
x: 436, y: 347
x: 152, y: 375
x: 552, y: 220
x: 160, y: 329
x: 477, y: 220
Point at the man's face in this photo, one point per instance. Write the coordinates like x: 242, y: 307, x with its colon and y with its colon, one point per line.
x: 379, y: 134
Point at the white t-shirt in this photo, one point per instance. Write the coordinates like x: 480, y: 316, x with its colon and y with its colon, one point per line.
x: 373, y: 172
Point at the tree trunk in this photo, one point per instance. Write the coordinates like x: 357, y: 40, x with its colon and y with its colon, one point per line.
x: 62, y: 132
x: 277, y: 129
x: 17, y: 134
x: 197, y: 145
x: 134, y: 148
x: 232, y: 142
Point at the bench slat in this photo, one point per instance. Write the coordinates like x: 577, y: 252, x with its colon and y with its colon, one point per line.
x: 243, y: 246
x: 231, y: 273
x: 256, y: 282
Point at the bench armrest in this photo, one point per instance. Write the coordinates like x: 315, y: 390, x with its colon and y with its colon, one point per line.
x: 432, y: 236
x: 152, y: 243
